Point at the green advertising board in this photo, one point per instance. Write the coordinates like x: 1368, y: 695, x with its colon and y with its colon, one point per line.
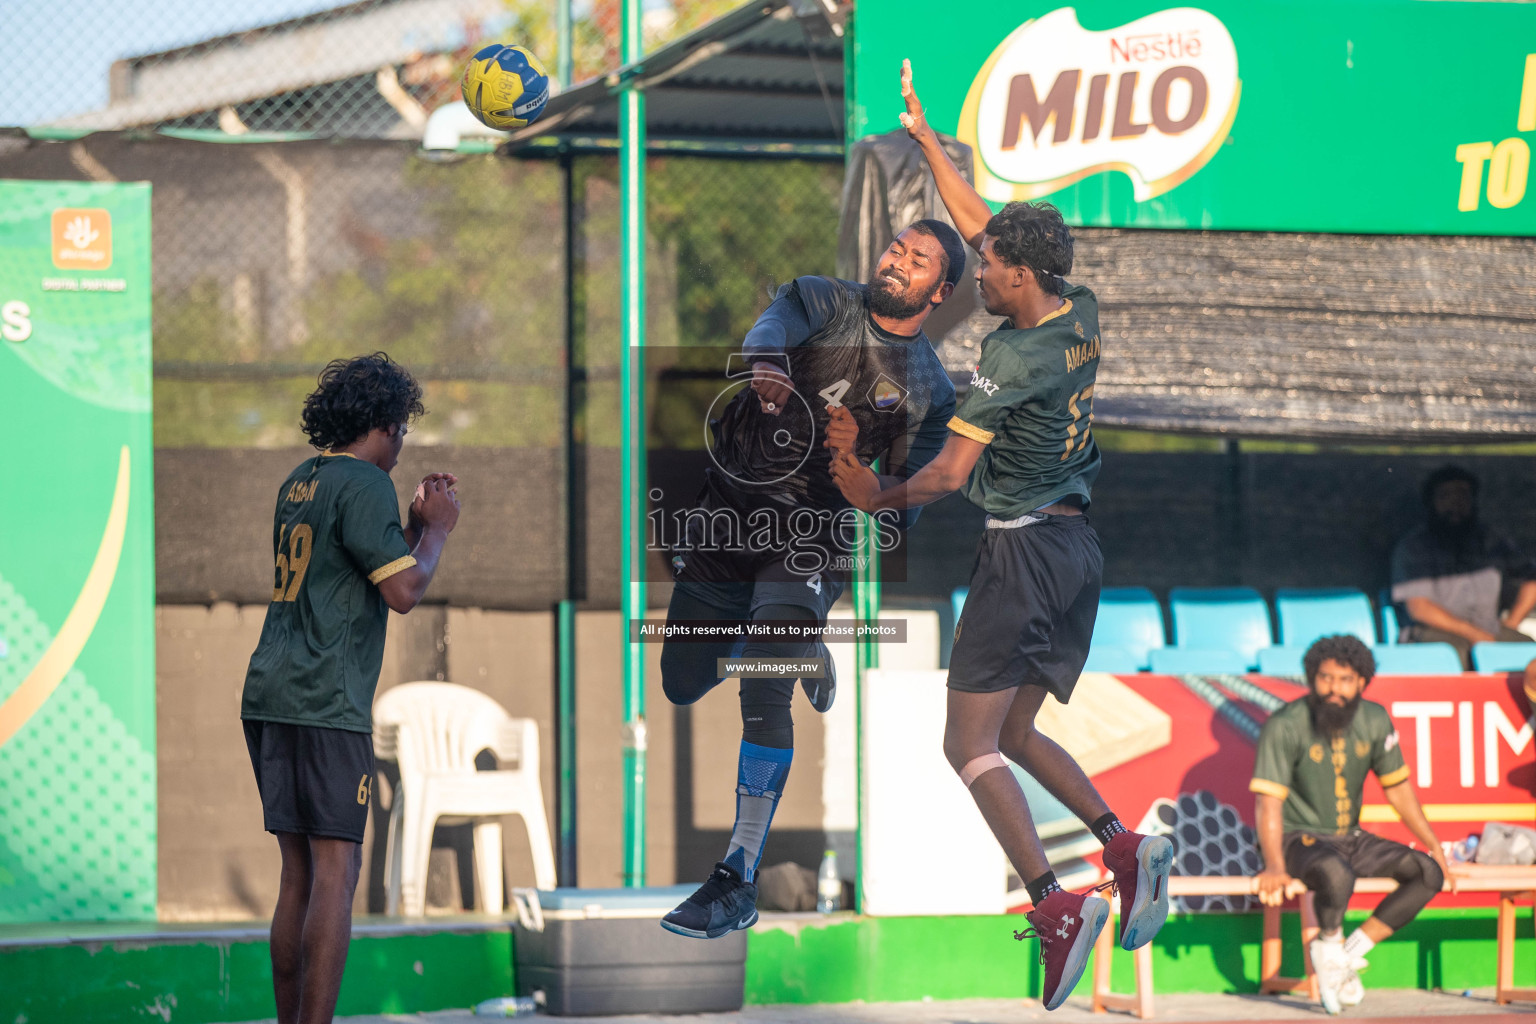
x: 77, y: 593
x: 1401, y: 117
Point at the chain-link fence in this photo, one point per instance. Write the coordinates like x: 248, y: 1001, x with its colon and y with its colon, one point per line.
x: 270, y: 259
x: 366, y: 69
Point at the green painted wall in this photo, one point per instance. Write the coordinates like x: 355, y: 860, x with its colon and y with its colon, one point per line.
x: 197, y: 983
x: 798, y: 961
x: 892, y: 959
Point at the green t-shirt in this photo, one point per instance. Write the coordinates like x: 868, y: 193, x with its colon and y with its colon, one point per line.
x: 1031, y: 404
x: 336, y: 535
x: 1322, y: 780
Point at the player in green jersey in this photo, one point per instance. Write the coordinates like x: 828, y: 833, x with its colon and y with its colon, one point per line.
x: 1308, y: 780
x: 341, y: 562
x: 1021, y: 447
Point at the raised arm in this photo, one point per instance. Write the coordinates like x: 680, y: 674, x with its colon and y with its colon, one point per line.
x: 966, y: 208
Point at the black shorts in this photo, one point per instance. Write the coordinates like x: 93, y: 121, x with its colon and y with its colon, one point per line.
x: 729, y: 569
x: 741, y: 599
x: 1029, y: 613
x: 313, y: 781
x: 1368, y: 855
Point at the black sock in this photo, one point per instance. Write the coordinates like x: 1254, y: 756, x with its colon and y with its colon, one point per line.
x: 1106, y: 828
x: 1042, y: 886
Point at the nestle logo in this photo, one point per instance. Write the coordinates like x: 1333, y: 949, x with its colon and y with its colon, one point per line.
x: 1055, y: 103
x: 1151, y: 47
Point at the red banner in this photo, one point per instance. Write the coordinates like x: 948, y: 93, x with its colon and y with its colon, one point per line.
x: 1467, y: 740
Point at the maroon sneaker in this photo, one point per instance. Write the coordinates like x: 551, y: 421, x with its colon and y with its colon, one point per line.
x: 1066, y: 925
x: 1140, y: 865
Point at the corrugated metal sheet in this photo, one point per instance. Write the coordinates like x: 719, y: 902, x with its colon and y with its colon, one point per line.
x: 1310, y: 336
x: 300, y: 53
x: 1341, y: 337
x: 762, y: 72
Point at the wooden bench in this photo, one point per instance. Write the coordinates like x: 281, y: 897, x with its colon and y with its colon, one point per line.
x: 1513, y: 884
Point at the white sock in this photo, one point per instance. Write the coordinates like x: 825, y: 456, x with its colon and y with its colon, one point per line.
x: 1358, y: 943
x: 1333, y: 936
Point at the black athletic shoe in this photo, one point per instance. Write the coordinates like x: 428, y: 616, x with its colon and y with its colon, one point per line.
x: 821, y: 692
x: 722, y: 905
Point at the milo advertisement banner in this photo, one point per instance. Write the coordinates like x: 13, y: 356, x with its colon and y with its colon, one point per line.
x: 1403, y: 118
x: 77, y: 594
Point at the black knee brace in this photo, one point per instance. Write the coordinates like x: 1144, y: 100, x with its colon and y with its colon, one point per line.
x: 765, y: 701
x: 765, y: 715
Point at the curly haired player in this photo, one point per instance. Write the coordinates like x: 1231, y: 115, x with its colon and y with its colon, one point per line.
x: 341, y: 561
x: 1021, y: 446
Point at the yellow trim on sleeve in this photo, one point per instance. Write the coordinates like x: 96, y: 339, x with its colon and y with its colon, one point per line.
x: 1393, y: 778
x: 384, y: 572
x: 965, y: 429
x: 1269, y: 788
x: 1066, y: 307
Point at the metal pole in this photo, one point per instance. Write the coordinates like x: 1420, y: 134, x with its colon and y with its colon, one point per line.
x: 632, y: 413
x: 866, y: 609
x: 565, y: 746
x: 563, y: 30
x: 565, y: 613
x: 866, y: 580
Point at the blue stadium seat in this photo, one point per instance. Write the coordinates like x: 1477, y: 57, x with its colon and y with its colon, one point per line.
x: 1225, y: 618
x: 1197, y: 661
x: 957, y: 598
x: 1416, y: 660
x: 1105, y: 658
x: 1130, y: 619
x: 1389, y: 624
x: 1281, y: 661
x: 1306, y: 615
x: 1502, y: 657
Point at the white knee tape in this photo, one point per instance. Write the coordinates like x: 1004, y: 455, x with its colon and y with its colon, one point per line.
x: 978, y: 766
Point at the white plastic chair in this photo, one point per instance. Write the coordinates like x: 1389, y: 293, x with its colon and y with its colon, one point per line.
x: 434, y: 731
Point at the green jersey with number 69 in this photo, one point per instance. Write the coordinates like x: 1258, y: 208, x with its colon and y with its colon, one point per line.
x: 336, y: 536
x: 1031, y: 404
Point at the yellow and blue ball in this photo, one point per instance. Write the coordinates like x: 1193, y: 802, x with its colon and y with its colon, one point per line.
x: 506, y: 87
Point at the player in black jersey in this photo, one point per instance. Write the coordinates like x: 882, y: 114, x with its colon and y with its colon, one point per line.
x: 769, y: 538
x: 1021, y: 447
x: 341, y: 562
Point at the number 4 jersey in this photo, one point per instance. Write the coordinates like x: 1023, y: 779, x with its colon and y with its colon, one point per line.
x: 336, y: 536
x: 894, y: 385
x: 1031, y: 404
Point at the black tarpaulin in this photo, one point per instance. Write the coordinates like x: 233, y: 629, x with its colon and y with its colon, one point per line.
x: 1345, y: 338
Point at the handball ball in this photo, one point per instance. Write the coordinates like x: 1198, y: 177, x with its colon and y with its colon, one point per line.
x: 505, y: 87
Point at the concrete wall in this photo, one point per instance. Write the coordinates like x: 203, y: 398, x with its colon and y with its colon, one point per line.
x: 216, y: 863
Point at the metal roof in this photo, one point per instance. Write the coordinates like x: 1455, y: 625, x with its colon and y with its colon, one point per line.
x: 770, y: 71
x: 337, y: 44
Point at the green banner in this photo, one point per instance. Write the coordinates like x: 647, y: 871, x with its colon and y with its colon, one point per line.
x: 1404, y: 118
x: 77, y: 589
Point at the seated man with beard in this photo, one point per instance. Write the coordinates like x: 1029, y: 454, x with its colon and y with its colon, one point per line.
x: 1451, y: 576
x: 1308, y: 778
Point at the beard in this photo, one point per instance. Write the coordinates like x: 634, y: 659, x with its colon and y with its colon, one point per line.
x: 1452, y: 531
x: 1332, y: 719
x: 888, y: 299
